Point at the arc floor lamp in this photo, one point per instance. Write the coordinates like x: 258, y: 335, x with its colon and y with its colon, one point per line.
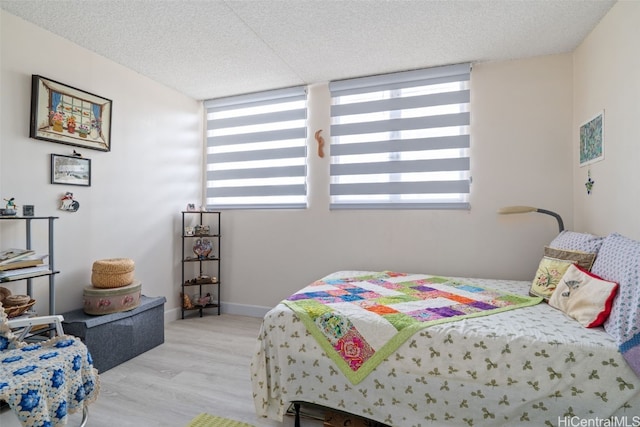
x: 507, y: 210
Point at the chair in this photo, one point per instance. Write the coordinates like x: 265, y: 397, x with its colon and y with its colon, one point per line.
x: 44, y: 380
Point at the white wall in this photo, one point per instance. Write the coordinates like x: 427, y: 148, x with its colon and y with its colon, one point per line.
x: 606, y: 77
x: 521, y: 146
x: 138, y: 188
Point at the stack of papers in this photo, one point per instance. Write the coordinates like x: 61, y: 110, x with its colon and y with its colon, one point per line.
x: 22, y: 273
x: 13, y: 254
x: 21, y: 263
x: 29, y: 261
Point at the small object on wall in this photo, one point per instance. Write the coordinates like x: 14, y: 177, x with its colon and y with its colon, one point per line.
x: 67, y: 203
x: 28, y: 210
x: 320, y: 140
x: 589, y: 183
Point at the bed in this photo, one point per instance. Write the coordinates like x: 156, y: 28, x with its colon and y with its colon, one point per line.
x: 526, y: 365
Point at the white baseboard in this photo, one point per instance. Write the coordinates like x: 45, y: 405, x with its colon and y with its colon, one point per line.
x: 245, y: 309
x: 225, y: 308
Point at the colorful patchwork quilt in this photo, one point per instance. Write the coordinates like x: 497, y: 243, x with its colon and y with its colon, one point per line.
x: 532, y: 366
x: 359, y: 321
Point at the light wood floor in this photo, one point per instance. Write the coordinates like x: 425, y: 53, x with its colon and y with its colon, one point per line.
x: 203, y: 366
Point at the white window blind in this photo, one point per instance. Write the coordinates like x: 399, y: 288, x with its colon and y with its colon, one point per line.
x: 401, y: 141
x: 256, y: 150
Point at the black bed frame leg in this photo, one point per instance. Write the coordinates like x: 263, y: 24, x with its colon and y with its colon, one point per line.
x: 296, y: 405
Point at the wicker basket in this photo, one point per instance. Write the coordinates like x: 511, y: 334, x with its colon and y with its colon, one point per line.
x: 17, y: 310
x: 15, y: 300
x: 4, y: 292
x: 112, y: 273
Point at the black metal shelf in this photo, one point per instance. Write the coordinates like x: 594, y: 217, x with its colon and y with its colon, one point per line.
x: 199, y: 307
x: 201, y: 260
x: 212, y: 263
x: 201, y: 284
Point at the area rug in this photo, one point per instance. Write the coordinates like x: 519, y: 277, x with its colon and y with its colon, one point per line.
x: 206, y: 420
x: 359, y: 321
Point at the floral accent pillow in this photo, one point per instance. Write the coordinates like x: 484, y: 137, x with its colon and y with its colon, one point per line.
x: 550, y: 271
x: 584, y: 296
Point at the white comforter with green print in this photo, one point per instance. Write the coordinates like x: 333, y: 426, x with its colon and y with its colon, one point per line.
x: 530, y: 366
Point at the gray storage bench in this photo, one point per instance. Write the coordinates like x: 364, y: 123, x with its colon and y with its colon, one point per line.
x: 115, y: 338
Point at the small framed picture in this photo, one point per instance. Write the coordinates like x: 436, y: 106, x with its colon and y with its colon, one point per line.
x: 70, y: 170
x: 191, y: 207
x: 592, y: 140
x: 28, y: 210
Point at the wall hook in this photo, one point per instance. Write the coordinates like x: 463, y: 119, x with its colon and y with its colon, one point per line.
x: 320, y: 140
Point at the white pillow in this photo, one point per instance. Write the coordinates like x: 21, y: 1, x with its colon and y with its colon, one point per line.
x: 584, y: 296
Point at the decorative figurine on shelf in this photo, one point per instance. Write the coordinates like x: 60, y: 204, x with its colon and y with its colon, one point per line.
x: 203, y: 280
x: 202, y: 300
x: 68, y: 204
x: 202, y: 248
x: 186, y: 301
x: 10, y: 207
x: 202, y: 230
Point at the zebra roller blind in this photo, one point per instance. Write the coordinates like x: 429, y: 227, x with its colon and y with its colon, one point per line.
x: 256, y: 150
x: 401, y: 141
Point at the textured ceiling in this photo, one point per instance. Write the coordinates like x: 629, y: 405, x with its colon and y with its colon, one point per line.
x: 213, y: 48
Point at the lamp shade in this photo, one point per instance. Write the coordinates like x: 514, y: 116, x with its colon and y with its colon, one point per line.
x: 516, y: 209
x: 526, y: 209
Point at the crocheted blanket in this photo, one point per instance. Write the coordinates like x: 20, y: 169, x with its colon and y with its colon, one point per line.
x: 43, y: 382
x: 360, y: 321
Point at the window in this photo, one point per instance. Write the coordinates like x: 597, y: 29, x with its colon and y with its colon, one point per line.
x: 256, y: 150
x: 401, y: 141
